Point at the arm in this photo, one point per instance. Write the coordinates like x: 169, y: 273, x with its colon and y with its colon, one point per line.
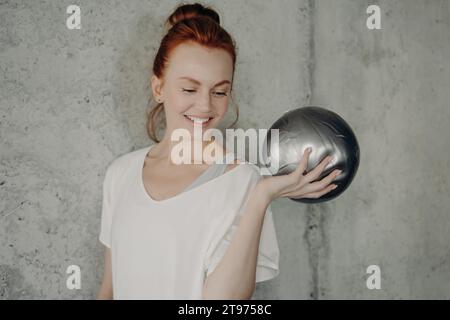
x: 105, y: 292
x: 235, y: 275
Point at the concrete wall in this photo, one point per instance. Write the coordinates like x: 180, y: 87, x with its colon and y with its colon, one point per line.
x: 392, y: 86
x: 73, y: 100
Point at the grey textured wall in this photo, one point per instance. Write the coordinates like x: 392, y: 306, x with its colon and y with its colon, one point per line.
x: 73, y: 100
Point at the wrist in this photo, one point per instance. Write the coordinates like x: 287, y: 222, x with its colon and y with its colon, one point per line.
x: 262, y: 193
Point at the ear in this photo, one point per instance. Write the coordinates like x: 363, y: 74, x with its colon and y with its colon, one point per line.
x: 157, y: 87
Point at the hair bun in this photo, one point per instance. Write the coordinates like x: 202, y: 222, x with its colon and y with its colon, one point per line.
x: 189, y: 11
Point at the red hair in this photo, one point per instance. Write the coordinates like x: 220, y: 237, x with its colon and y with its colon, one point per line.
x: 189, y: 23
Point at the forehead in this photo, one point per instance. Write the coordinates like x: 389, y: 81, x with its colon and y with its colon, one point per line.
x: 204, y: 64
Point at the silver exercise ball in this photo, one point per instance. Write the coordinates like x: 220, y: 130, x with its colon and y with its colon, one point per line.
x: 323, y: 130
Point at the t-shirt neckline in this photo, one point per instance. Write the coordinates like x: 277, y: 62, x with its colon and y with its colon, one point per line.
x: 182, y: 193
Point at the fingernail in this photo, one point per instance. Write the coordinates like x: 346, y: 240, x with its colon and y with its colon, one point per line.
x: 334, y: 187
x: 338, y: 172
x: 309, y: 149
x: 330, y: 159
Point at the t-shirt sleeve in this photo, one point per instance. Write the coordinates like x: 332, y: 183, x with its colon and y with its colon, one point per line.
x: 268, y: 254
x: 106, y: 216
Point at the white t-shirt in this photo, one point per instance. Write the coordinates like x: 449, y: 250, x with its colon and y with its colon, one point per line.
x: 165, y: 249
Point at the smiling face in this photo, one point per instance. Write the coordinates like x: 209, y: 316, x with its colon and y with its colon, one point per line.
x: 196, y: 87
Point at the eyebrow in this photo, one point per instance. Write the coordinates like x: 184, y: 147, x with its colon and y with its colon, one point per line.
x: 197, y: 82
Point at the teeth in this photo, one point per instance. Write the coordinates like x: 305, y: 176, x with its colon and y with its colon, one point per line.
x: 199, y: 120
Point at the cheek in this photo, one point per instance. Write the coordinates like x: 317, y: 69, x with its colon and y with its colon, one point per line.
x: 178, y: 105
x: 222, y: 109
x: 220, y: 105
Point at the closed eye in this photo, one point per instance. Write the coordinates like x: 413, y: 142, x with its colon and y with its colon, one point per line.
x: 192, y: 91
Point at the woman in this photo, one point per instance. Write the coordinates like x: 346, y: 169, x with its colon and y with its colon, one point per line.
x: 168, y: 233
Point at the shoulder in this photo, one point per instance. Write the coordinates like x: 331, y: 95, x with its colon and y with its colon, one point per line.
x: 250, y: 169
x: 254, y: 170
x: 233, y: 165
x: 125, y: 158
x: 125, y: 162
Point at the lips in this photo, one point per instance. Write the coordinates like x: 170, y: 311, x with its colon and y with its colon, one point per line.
x: 204, y: 124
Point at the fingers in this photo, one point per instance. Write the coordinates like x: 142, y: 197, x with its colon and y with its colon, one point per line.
x: 313, y: 174
x: 318, y: 185
x: 301, y: 185
x: 320, y: 193
x: 303, y: 163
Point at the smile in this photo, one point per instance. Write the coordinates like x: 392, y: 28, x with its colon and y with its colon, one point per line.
x: 195, y: 120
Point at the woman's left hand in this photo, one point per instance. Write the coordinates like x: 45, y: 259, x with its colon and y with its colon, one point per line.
x: 296, y: 185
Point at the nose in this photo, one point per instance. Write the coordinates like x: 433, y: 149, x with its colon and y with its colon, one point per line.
x: 203, y: 103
